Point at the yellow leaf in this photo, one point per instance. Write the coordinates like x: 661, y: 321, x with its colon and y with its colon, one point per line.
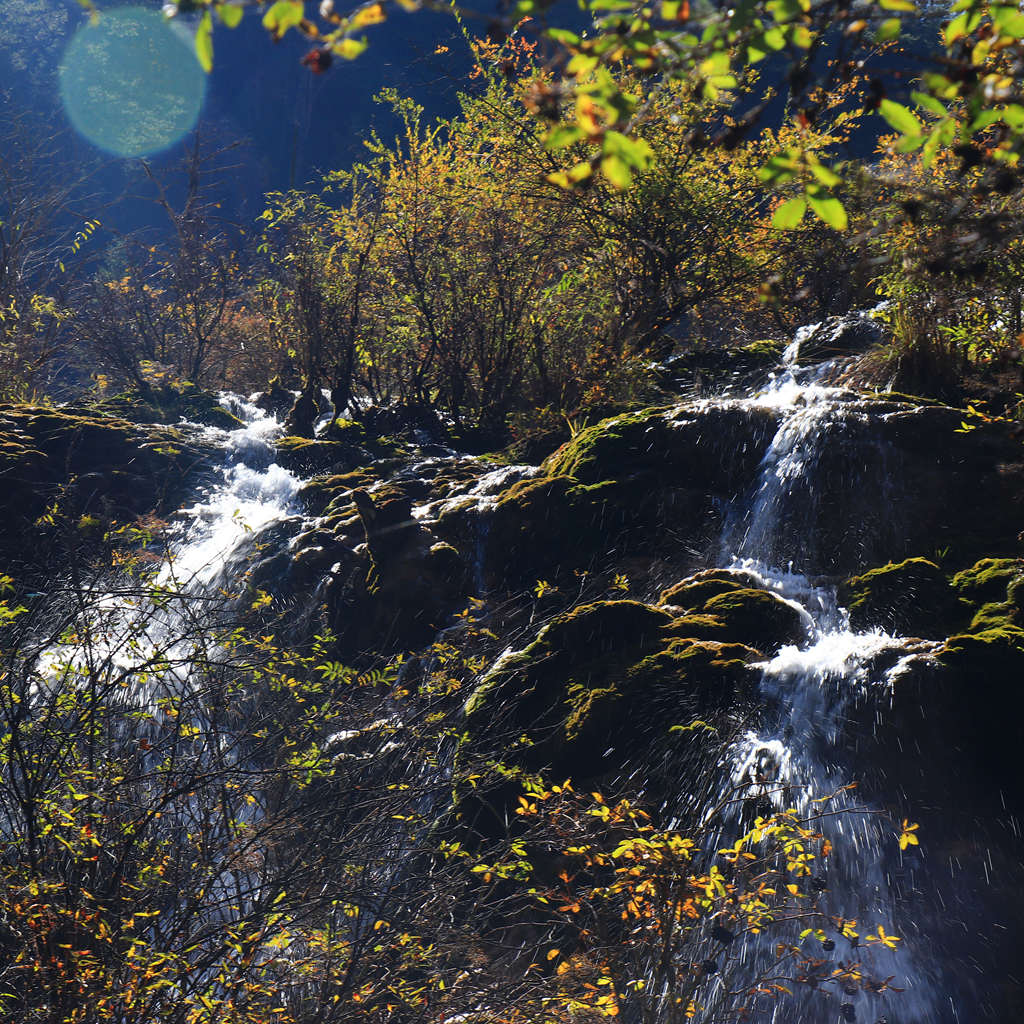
x: 372, y: 15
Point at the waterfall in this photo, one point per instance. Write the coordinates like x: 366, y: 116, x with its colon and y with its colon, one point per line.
x: 134, y: 626
x: 800, y: 754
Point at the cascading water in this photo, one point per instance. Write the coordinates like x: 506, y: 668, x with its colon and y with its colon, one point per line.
x: 132, y: 628
x: 800, y: 755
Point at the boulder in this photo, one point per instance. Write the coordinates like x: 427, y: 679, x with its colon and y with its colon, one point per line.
x: 315, y: 456
x: 168, y: 404
x: 836, y: 336
x: 758, y: 618
x: 714, y: 448
x: 695, y: 590
x: 911, y: 598
x: 67, y: 463
x: 988, y: 579
x: 565, y: 692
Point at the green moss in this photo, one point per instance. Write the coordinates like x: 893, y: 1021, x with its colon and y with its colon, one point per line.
x: 318, y: 494
x: 693, y: 593
x: 995, y: 615
x: 167, y: 404
x: 911, y: 597
x: 768, y: 350
x: 312, y: 455
x: 757, y: 618
x: 585, y: 646
x: 988, y: 579
x: 612, y: 448
x: 540, y: 525
x: 697, y: 626
x: 991, y: 656
x: 342, y: 429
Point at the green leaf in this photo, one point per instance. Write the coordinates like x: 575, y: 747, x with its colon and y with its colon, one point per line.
x: 824, y: 174
x: 562, y: 136
x: 962, y: 25
x: 635, y: 153
x: 790, y: 213
x: 1008, y: 20
x: 349, y: 48
x: 581, y: 64
x: 900, y: 117
x: 931, y: 147
x: 617, y: 171
x: 785, y: 10
x: 230, y: 14
x: 930, y: 103
x: 889, y: 29
x: 1013, y: 115
x: 830, y: 210
x: 898, y: 5
x: 284, y: 14
x: 204, y: 42
x: 779, y: 170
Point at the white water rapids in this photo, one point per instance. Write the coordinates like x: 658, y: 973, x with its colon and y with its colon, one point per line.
x: 148, y: 635
x: 800, y: 755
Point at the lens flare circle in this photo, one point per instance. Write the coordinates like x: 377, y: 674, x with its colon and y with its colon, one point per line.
x: 131, y: 84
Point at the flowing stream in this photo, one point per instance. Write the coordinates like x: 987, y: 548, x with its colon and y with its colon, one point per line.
x: 800, y: 754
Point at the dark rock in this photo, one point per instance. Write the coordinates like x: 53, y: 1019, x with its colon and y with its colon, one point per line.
x: 168, y: 404
x: 714, y: 448
x: 276, y: 400
x: 302, y: 416
x: 69, y: 463
x: 838, y: 336
x: 318, y: 494
x: 311, y: 456
x: 912, y: 598
x: 758, y: 618
x: 410, y: 421
x: 988, y: 579
x: 695, y: 590
x: 566, y: 690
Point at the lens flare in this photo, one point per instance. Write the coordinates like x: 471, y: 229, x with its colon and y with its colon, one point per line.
x: 130, y: 83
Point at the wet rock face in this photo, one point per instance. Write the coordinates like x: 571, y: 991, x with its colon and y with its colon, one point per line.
x: 715, y: 447
x: 169, y: 404
x: 836, y: 336
x: 910, y: 598
x: 940, y: 476
x: 88, y: 464
x: 604, y: 681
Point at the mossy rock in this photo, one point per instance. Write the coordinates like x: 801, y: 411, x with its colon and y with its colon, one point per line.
x: 988, y: 579
x: 997, y: 652
x: 577, y: 663
x: 758, y: 618
x: 912, y: 597
x: 710, y: 668
x: 540, y: 526
x: 341, y: 429
x: 608, y: 449
x: 995, y: 615
x: 767, y: 350
x: 697, y: 626
x: 168, y: 404
x: 87, y: 464
x: 695, y: 590
x: 317, y: 494
x: 714, y: 449
x: 316, y: 456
